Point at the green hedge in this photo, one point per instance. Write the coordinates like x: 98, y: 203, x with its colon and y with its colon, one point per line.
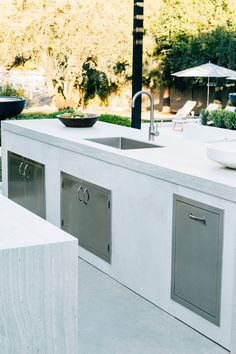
x: 219, y: 118
x: 108, y: 118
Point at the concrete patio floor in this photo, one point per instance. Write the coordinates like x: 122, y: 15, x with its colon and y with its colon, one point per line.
x: 115, y: 320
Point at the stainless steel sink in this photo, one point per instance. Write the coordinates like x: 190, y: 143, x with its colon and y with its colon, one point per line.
x: 124, y: 143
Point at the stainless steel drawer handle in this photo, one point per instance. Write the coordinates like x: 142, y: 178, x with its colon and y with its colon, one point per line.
x: 203, y: 220
x: 20, y: 167
x: 80, y: 193
x: 24, y: 172
x: 86, y: 196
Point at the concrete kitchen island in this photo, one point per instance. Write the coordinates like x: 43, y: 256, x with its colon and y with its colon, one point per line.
x: 145, y: 191
x: 39, y: 284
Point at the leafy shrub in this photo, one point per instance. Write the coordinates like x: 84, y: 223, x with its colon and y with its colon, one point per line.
x: 42, y: 115
x: 230, y: 120
x: 204, y: 116
x: 218, y: 118
x: 224, y: 119
x: 8, y: 90
x: 109, y: 118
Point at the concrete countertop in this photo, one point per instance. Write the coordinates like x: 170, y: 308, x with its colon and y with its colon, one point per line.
x: 21, y: 228
x: 181, y: 161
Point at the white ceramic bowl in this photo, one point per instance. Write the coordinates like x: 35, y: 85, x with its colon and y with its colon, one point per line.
x: 224, y: 153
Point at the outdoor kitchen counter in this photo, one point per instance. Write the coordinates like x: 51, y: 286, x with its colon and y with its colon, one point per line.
x: 181, y: 161
x: 140, y: 188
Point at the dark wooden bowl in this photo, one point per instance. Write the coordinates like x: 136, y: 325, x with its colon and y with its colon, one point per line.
x: 11, y: 106
x: 79, y: 122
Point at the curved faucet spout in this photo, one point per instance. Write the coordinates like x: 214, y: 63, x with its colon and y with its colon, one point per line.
x: 153, y: 131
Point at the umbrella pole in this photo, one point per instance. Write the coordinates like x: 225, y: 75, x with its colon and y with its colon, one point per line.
x: 208, y: 90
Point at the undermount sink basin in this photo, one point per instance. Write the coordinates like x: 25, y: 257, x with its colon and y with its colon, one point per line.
x: 223, y: 153
x: 124, y: 143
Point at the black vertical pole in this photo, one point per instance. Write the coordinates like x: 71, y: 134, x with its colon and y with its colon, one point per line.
x: 137, y: 61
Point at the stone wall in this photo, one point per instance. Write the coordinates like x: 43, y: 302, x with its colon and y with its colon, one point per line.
x: 33, y: 83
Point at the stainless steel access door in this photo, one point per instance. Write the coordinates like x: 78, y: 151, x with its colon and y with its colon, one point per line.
x: 197, y: 257
x: 86, y: 214
x: 35, y: 188
x: 16, y: 180
x: 26, y: 183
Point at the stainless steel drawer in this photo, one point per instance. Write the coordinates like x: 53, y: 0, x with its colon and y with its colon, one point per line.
x: 197, y: 257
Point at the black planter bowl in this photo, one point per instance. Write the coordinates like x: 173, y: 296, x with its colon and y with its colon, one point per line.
x: 11, y: 106
x: 232, y: 98
x: 79, y: 122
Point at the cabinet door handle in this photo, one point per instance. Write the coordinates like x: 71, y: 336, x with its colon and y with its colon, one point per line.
x: 20, y: 167
x: 80, y: 193
x: 191, y: 216
x: 86, y: 196
x: 24, y: 172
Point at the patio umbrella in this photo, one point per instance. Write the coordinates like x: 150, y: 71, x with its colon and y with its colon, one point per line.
x: 206, y: 70
x: 231, y: 78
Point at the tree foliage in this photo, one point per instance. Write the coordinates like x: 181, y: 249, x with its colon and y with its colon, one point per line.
x: 84, y: 46
x: 191, y: 33
x: 60, y: 37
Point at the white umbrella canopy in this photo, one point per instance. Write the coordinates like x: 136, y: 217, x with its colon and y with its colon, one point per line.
x: 206, y: 70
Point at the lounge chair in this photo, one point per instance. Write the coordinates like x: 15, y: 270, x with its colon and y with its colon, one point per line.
x: 182, y: 116
x: 230, y: 109
x: 213, y: 107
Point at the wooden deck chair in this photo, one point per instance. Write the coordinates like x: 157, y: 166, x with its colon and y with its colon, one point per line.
x: 230, y: 109
x: 182, y: 116
x: 213, y: 107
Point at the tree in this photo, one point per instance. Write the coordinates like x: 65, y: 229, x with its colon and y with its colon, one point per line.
x: 60, y: 37
x: 188, y: 34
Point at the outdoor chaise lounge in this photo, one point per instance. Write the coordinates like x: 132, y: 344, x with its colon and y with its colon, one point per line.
x: 230, y: 108
x: 182, y: 116
x: 213, y: 107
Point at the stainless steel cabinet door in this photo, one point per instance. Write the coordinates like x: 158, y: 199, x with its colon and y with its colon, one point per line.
x: 69, y: 204
x: 16, y: 179
x: 26, y: 183
x: 35, y: 188
x: 86, y: 214
x: 197, y: 257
